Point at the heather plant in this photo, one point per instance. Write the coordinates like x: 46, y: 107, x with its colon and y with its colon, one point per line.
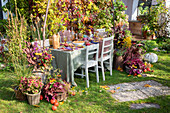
x: 133, y: 59
x: 31, y: 85
x: 38, y: 57
x: 55, y: 85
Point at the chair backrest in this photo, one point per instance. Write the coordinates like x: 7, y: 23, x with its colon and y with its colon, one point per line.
x: 47, y: 44
x: 92, y: 51
x: 107, y: 47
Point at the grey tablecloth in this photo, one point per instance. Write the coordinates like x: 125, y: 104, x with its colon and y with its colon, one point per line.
x: 68, y: 61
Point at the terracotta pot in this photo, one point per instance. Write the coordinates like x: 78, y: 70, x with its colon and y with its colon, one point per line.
x: 145, y: 34
x: 117, y: 61
x: 33, y: 99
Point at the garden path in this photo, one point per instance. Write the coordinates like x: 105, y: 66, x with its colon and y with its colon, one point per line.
x: 138, y: 90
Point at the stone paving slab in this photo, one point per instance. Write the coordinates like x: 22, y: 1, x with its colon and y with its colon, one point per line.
x: 140, y: 85
x: 156, y: 91
x: 136, y: 90
x: 123, y: 87
x: 144, y: 105
x: 129, y: 96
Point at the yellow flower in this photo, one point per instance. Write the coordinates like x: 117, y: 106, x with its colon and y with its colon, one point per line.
x: 82, y: 90
x: 53, y: 80
x: 40, y: 54
x: 34, y: 58
x: 36, y: 53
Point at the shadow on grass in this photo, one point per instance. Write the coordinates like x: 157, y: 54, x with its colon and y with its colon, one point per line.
x: 6, y: 83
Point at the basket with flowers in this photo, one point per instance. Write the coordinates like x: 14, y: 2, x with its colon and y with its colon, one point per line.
x: 55, y: 87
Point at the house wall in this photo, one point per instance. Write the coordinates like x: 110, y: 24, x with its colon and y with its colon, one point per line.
x: 168, y: 5
x: 3, y: 3
x: 132, y: 8
x: 129, y: 8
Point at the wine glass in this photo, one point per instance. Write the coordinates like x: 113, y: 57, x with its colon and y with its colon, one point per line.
x: 65, y: 39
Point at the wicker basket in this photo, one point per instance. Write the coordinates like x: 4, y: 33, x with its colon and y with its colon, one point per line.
x: 40, y: 74
x: 61, y: 96
x: 19, y: 95
x: 33, y: 99
x: 127, y: 69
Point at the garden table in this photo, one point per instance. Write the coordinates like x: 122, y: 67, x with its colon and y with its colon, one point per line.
x: 68, y: 62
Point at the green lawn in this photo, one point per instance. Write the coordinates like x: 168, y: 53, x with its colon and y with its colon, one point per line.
x: 97, y: 100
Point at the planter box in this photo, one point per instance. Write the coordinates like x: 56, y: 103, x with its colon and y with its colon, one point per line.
x: 135, y: 27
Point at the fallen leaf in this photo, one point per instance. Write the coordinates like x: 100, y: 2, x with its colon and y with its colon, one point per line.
x: 106, y: 88
x: 119, y: 69
x: 139, y: 75
x: 36, y: 106
x: 103, y: 86
x: 61, y: 103
x: 147, y: 85
x: 118, y: 87
x: 112, y: 91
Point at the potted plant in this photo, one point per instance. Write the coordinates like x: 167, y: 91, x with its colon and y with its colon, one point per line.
x: 133, y: 62
x: 55, y: 87
x: 38, y: 58
x: 145, y: 31
x: 119, y: 52
x: 32, y: 88
x: 142, y: 12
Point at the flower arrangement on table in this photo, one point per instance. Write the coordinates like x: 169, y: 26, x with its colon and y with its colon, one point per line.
x: 55, y: 87
x: 31, y: 85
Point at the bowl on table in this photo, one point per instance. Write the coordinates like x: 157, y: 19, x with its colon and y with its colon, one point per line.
x: 94, y: 42
x: 78, y: 43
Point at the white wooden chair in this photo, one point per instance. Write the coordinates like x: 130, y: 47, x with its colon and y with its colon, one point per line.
x: 106, y: 54
x: 91, y: 51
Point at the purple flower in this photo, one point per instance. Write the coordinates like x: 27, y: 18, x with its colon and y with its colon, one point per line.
x: 53, y: 98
